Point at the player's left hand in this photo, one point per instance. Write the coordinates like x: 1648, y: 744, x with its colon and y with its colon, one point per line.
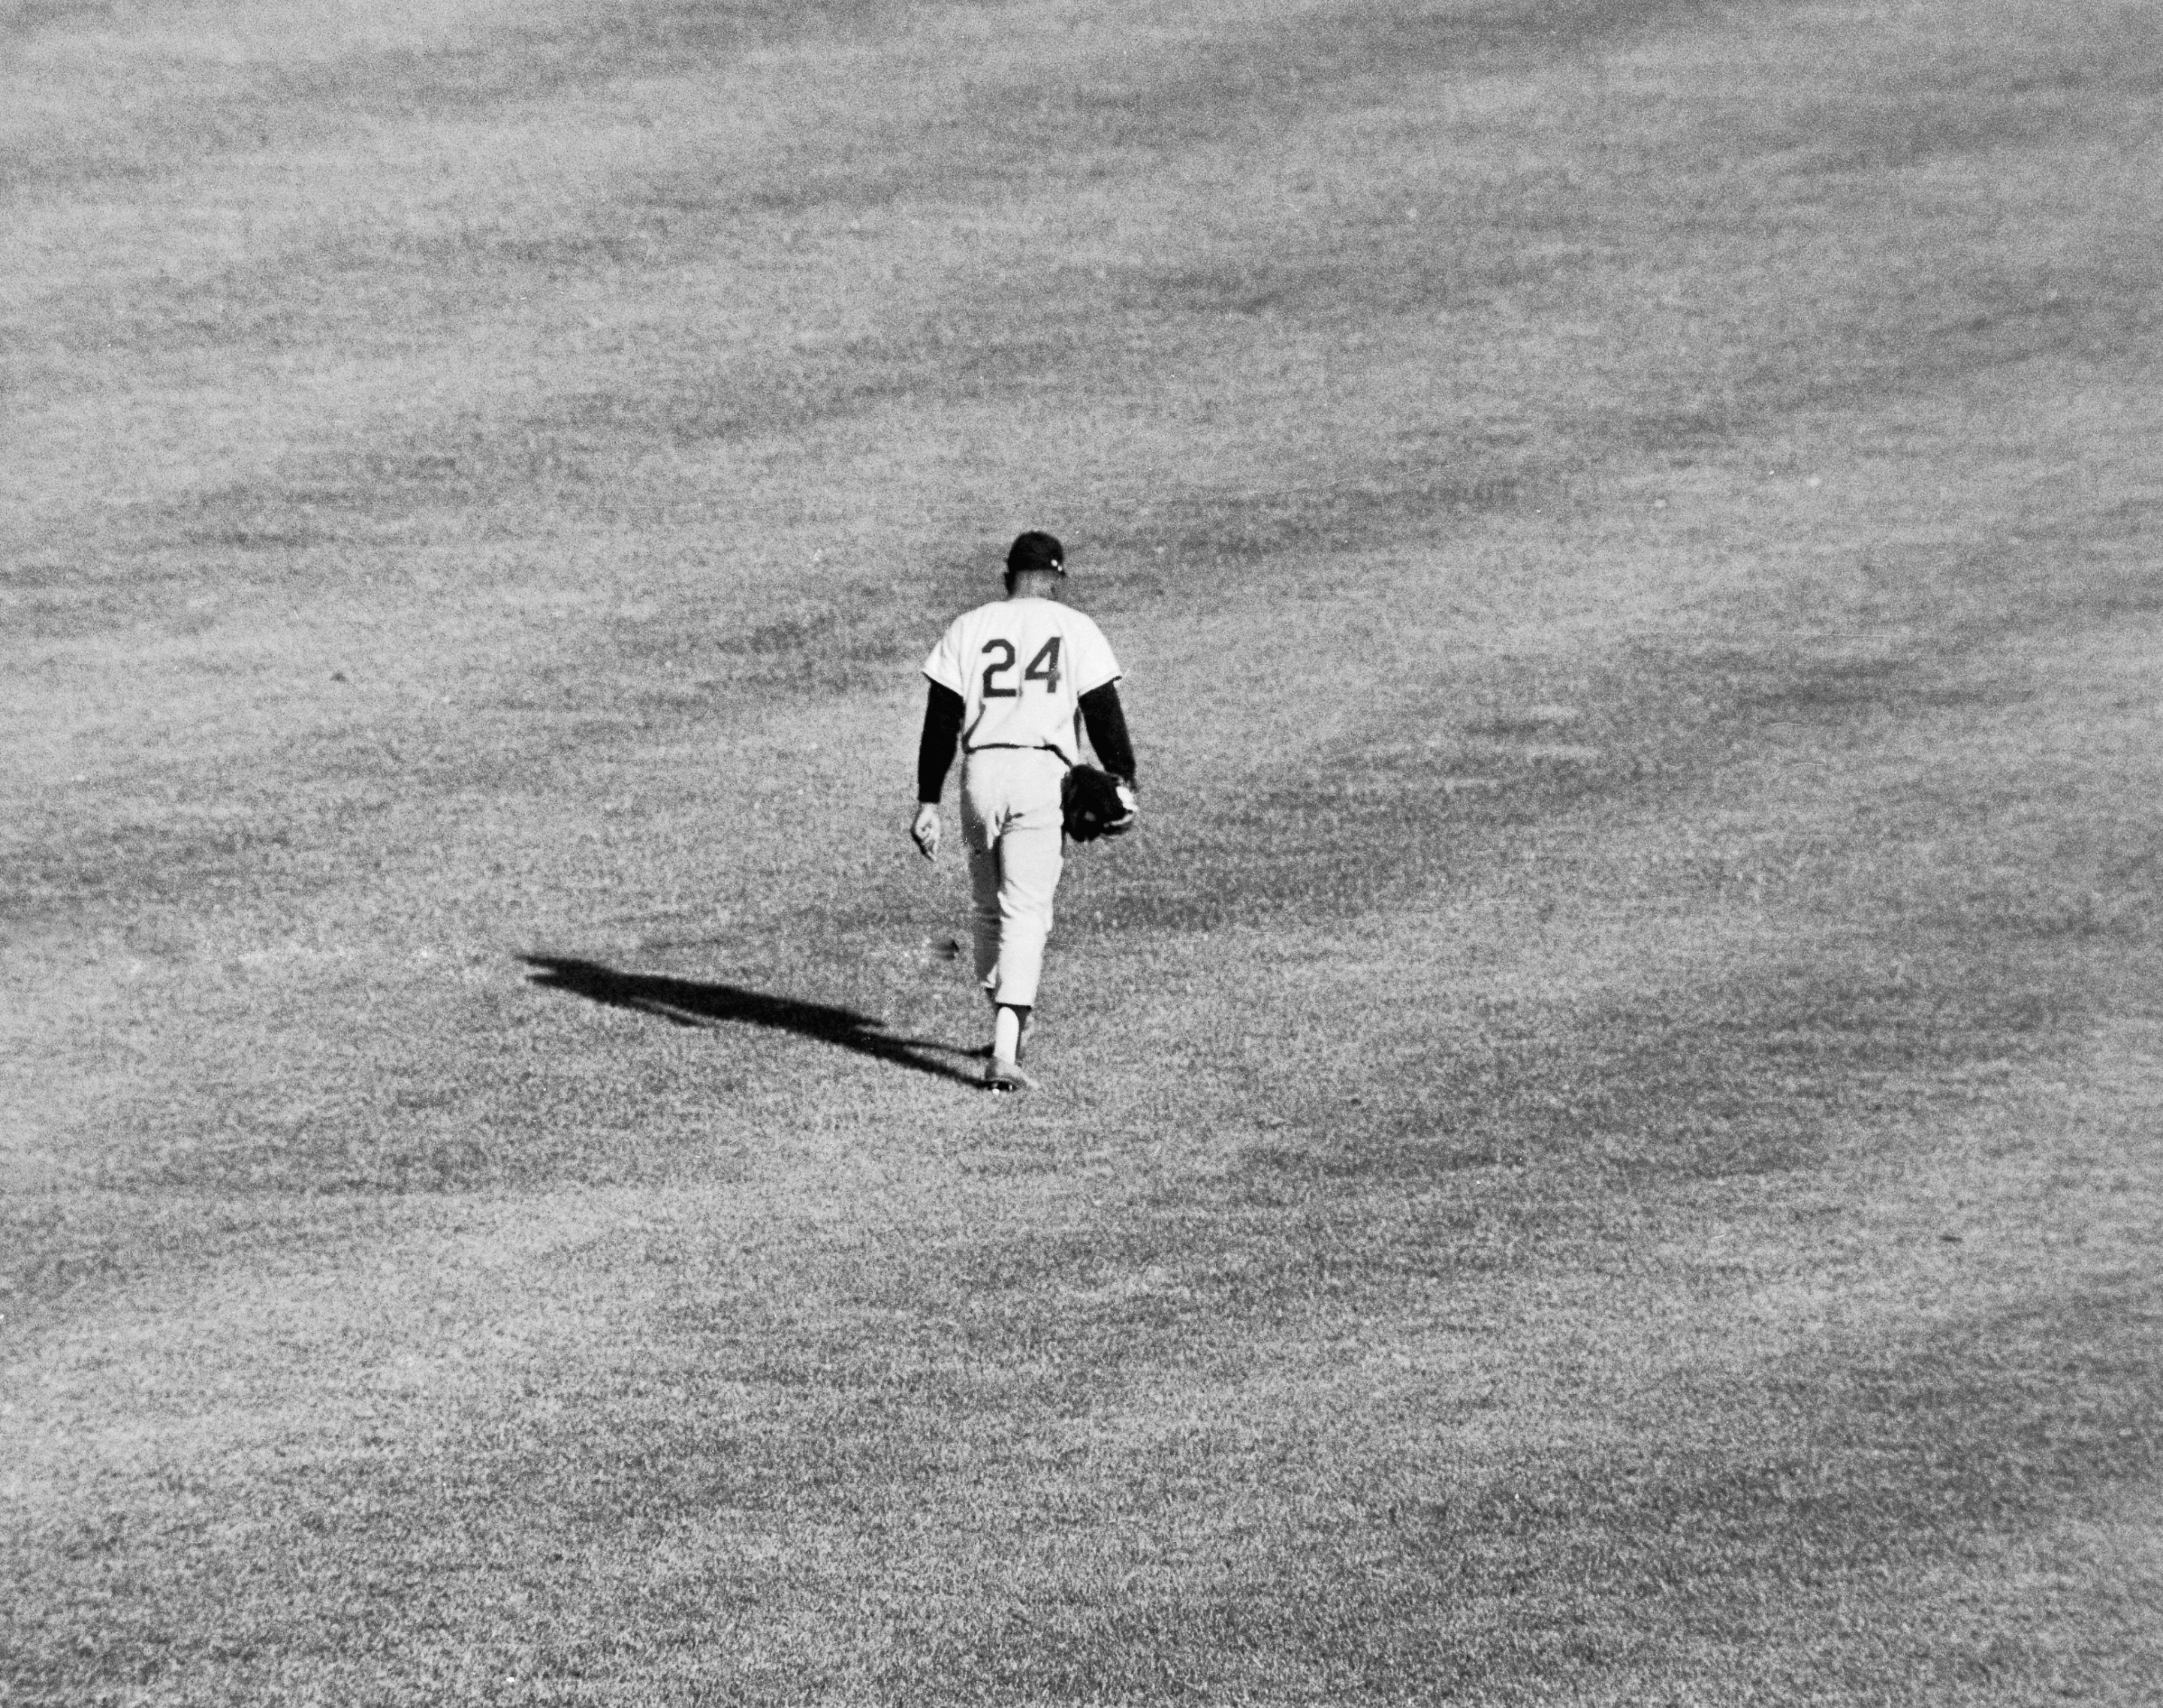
x: 925, y: 831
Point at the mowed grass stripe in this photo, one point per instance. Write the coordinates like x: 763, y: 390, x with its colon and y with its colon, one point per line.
x: 708, y: 655
x: 1048, y: 1292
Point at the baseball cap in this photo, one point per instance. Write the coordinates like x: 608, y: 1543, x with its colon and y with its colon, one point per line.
x: 1036, y: 550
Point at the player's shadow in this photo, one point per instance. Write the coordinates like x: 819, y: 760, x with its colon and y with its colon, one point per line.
x: 686, y: 1002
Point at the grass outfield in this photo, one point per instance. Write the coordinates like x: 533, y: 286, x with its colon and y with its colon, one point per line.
x: 1601, y: 1144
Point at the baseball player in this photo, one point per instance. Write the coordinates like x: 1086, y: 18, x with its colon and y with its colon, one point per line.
x: 1012, y: 683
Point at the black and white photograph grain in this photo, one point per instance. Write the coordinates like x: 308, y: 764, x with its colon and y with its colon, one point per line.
x: 1080, y: 853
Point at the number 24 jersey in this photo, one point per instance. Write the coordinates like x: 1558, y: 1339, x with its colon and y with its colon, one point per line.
x: 1021, y: 666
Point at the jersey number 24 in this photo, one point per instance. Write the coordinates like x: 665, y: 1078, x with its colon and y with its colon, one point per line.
x: 1043, y: 668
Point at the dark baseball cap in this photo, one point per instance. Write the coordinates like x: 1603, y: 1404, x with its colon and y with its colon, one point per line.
x: 1036, y: 550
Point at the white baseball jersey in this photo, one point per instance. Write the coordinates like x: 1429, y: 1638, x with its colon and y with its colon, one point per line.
x: 1021, y: 666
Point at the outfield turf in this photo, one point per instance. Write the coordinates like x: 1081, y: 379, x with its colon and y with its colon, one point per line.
x: 1601, y: 1145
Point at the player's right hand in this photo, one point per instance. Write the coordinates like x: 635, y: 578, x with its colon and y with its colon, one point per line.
x: 924, y: 832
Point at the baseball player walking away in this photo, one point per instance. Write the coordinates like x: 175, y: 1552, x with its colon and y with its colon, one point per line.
x: 1012, y: 683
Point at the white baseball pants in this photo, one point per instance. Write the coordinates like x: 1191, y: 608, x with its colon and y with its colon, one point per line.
x: 1010, y: 819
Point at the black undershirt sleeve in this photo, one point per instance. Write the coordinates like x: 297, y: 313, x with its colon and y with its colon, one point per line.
x: 943, y: 712
x: 1107, y: 731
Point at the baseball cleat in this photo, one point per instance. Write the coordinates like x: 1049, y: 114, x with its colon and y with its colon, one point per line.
x: 1007, y: 1076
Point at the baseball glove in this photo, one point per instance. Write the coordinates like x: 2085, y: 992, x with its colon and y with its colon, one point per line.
x: 1093, y: 804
